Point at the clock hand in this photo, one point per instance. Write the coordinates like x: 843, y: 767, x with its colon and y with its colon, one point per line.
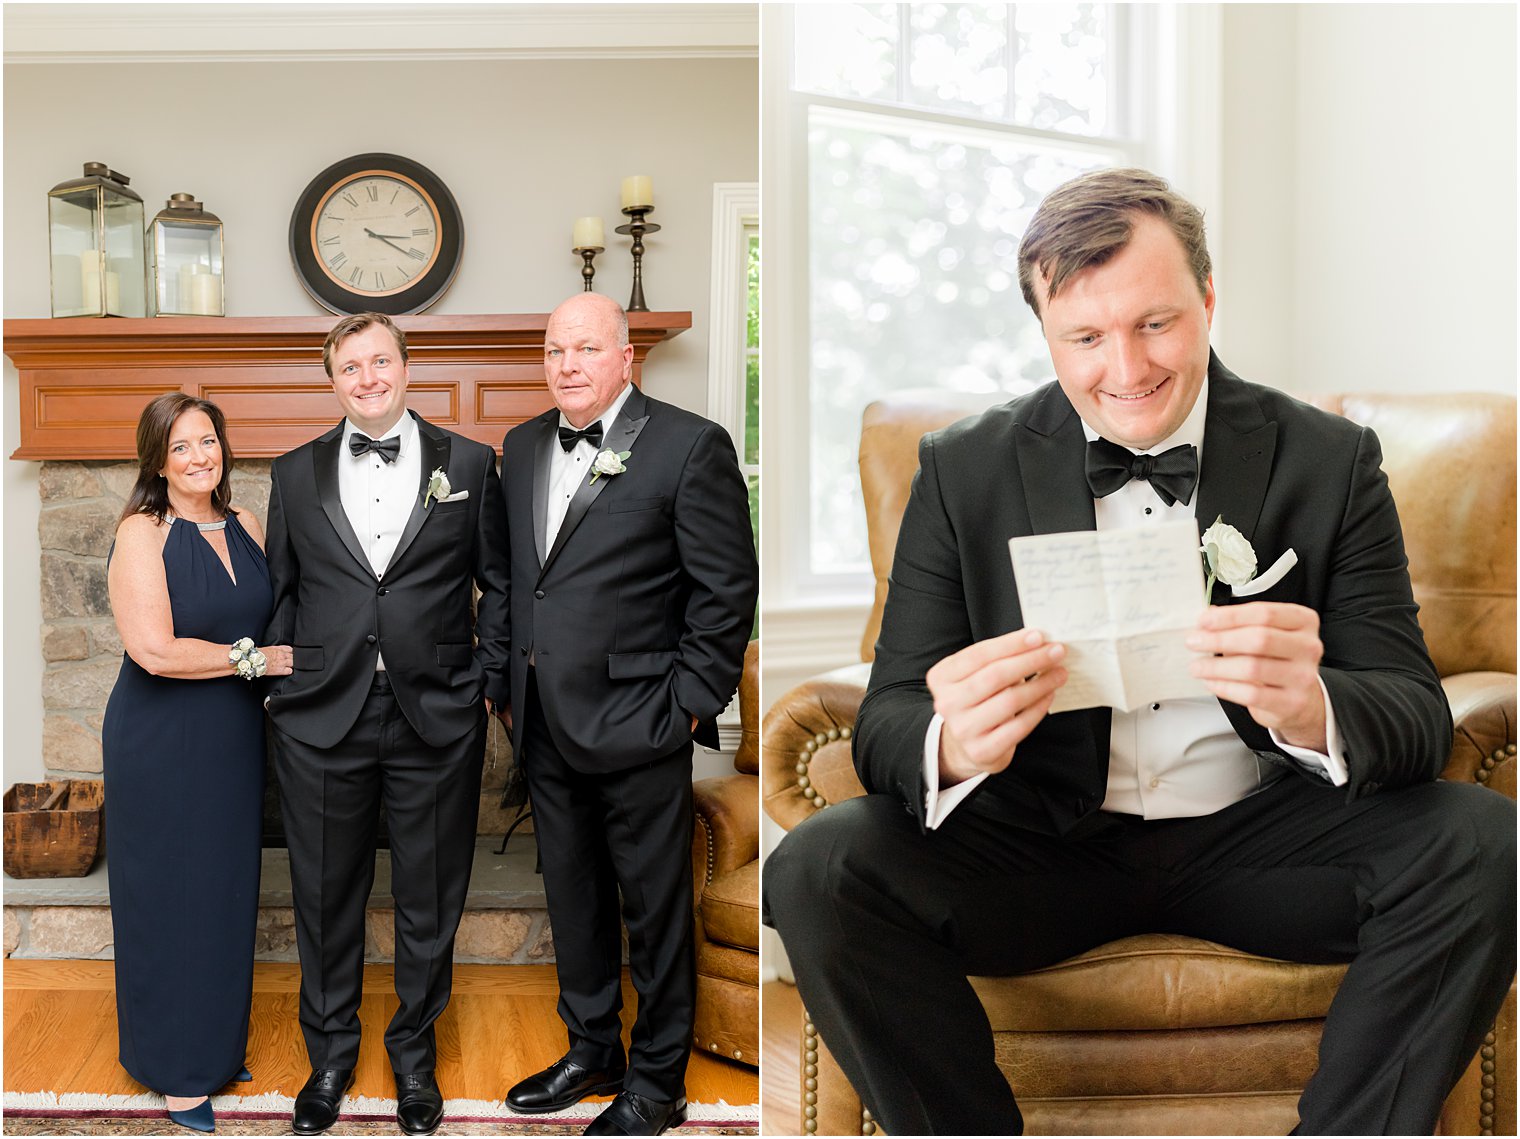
x: 397, y: 236
x: 381, y: 237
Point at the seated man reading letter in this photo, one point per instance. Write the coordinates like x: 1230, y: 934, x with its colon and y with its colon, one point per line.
x: 1294, y: 813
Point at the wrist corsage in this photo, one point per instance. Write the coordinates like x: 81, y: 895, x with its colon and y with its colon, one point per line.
x: 246, y: 659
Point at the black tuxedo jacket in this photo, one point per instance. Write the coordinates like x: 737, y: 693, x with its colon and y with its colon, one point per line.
x: 1284, y: 474
x: 337, y: 615
x: 638, y: 616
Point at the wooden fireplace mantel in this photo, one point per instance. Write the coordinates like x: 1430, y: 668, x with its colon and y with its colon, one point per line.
x: 84, y: 381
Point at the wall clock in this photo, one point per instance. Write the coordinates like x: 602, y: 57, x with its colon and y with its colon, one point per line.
x: 376, y: 233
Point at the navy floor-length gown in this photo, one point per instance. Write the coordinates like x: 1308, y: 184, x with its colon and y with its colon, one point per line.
x: 184, y: 775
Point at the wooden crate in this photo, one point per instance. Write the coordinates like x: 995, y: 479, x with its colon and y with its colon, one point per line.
x: 53, y: 830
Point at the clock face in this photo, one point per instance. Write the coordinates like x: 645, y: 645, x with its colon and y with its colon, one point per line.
x: 376, y: 233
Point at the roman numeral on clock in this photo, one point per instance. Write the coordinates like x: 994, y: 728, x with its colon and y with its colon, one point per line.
x: 356, y: 277
x: 374, y: 192
x: 350, y: 199
x: 421, y: 232
x: 337, y: 262
x: 417, y: 254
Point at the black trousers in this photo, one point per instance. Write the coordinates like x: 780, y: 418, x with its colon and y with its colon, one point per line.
x: 1415, y: 887
x: 597, y: 834
x: 331, y: 801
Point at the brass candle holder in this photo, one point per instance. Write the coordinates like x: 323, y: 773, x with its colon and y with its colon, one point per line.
x: 588, y: 268
x: 637, y: 228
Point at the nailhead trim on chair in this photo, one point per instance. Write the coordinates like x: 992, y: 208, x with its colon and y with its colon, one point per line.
x: 805, y: 759
x: 1486, y: 1118
x: 809, y: 1075
x: 867, y: 1124
x: 1499, y: 755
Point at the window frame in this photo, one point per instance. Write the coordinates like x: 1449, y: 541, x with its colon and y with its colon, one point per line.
x: 1167, y: 75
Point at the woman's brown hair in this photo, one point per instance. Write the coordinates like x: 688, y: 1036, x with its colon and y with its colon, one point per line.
x: 150, y: 493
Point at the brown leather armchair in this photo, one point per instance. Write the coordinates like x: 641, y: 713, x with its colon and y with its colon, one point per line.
x: 725, y: 862
x: 1162, y: 1034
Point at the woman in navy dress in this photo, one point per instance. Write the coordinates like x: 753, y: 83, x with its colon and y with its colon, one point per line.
x: 183, y: 742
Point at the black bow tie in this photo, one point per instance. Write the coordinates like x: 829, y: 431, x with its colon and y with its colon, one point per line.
x: 1173, y: 473
x: 591, y: 433
x: 387, y: 449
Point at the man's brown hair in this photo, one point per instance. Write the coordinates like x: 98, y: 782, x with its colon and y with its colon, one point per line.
x: 351, y: 326
x: 1084, y: 222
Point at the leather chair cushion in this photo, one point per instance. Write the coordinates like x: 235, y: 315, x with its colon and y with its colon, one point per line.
x: 731, y: 907
x: 1158, y: 981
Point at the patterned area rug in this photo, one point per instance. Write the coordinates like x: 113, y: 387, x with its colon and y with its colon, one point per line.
x: 75, y: 1113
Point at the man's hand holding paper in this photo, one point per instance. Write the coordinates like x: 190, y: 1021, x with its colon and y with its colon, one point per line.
x: 991, y: 695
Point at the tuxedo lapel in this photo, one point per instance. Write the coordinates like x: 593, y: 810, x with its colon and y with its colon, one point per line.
x: 1238, y: 446
x: 1052, y: 453
x: 1053, y: 467
x: 435, y: 457
x: 619, y: 438
x: 325, y: 453
x: 543, y: 456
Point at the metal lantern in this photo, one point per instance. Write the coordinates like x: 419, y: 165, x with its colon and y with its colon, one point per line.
x: 95, y: 239
x: 186, y: 243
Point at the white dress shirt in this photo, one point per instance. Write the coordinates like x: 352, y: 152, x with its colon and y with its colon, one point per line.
x: 1177, y: 758
x: 378, y: 496
x: 569, y: 469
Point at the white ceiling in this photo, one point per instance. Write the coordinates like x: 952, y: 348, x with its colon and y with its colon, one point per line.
x: 209, y: 32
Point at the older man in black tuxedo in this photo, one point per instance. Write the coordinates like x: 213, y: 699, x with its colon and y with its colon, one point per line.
x: 378, y: 531
x: 1294, y: 813
x: 633, y: 592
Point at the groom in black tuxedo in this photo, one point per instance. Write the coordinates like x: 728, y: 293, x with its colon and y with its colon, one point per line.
x: 1293, y: 813
x: 377, y: 532
x: 633, y: 593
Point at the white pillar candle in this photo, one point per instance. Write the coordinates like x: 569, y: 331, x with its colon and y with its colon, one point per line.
x: 206, y: 294
x: 587, y: 233
x: 89, y: 277
x: 113, y: 292
x: 638, y: 191
x: 181, y: 300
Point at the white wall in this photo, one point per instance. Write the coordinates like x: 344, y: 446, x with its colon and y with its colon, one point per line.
x: 526, y: 146
x: 1370, y: 196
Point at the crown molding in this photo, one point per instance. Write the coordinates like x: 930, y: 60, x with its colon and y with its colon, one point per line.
x: 240, y: 33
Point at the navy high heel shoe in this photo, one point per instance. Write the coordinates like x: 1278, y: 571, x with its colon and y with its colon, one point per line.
x: 197, y: 1118
x: 244, y: 1076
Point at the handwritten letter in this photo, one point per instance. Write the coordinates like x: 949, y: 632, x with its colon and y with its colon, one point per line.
x: 1121, y: 601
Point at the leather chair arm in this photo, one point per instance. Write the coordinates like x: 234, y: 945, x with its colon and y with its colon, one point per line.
x: 727, y: 827
x: 805, y: 760
x: 1483, y: 716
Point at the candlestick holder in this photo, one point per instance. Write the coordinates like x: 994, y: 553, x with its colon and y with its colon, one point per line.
x: 637, y: 228
x: 588, y: 269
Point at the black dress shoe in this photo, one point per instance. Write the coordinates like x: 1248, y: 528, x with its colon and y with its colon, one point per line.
x: 419, y: 1103
x: 632, y: 1114
x: 562, y: 1084
x: 318, y: 1102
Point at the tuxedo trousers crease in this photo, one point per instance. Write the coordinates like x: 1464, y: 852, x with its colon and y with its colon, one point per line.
x: 599, y: 834
x: 1415, y: 887
x: 331, y: 799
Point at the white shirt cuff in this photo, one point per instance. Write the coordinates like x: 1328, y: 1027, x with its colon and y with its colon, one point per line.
x: 938, y: 804
x: 1331, y: 767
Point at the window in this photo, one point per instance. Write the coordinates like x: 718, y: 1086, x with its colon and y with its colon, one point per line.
x: 915, y: 142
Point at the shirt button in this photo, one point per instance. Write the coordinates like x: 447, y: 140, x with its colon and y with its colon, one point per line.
x: 1155, y: 707
x: 1147, y: 509
x: 1155, y: 783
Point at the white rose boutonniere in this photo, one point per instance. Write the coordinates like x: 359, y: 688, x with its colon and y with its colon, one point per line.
x: 1227, y: 556
x: 438, y: 487
x: 609, y: 463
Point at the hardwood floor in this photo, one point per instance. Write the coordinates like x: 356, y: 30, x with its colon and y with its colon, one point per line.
x: 60, y: 1033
